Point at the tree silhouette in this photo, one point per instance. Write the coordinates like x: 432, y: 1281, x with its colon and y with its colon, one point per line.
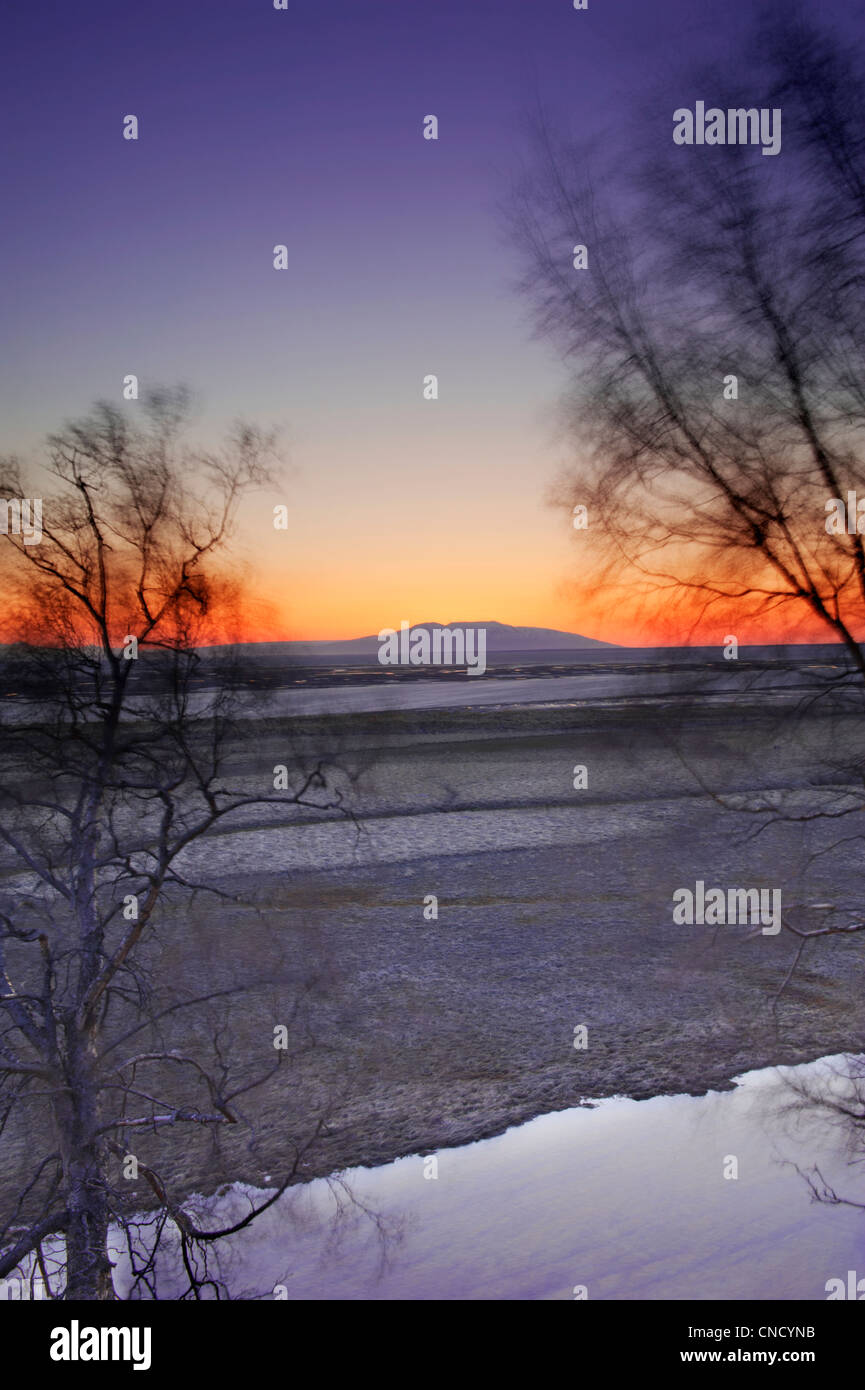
x: 114, y: 762
x: 715, y: 345
x: 714, y: 337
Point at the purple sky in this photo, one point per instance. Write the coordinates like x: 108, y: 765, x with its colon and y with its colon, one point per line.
x: 303, y: 126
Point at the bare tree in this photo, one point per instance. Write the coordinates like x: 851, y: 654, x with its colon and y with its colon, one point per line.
x: 715, y: 344
x: 706, y: 264
x: 114, y: 765
x: 714, y: 338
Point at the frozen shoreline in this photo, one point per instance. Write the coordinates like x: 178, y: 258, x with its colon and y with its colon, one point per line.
x: 627, y: 1199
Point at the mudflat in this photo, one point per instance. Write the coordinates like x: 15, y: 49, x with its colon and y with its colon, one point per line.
x: 414, y: 1023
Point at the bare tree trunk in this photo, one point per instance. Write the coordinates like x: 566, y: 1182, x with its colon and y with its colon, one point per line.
x: 88, y: 1268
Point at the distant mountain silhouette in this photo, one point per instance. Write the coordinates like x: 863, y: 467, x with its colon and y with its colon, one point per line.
x: 501, y: 637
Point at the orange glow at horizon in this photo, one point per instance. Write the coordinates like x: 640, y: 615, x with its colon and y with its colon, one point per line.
x: 379, y: 559
x: 624, y: 621
x: 328, y: 614
x: 317, y: 586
